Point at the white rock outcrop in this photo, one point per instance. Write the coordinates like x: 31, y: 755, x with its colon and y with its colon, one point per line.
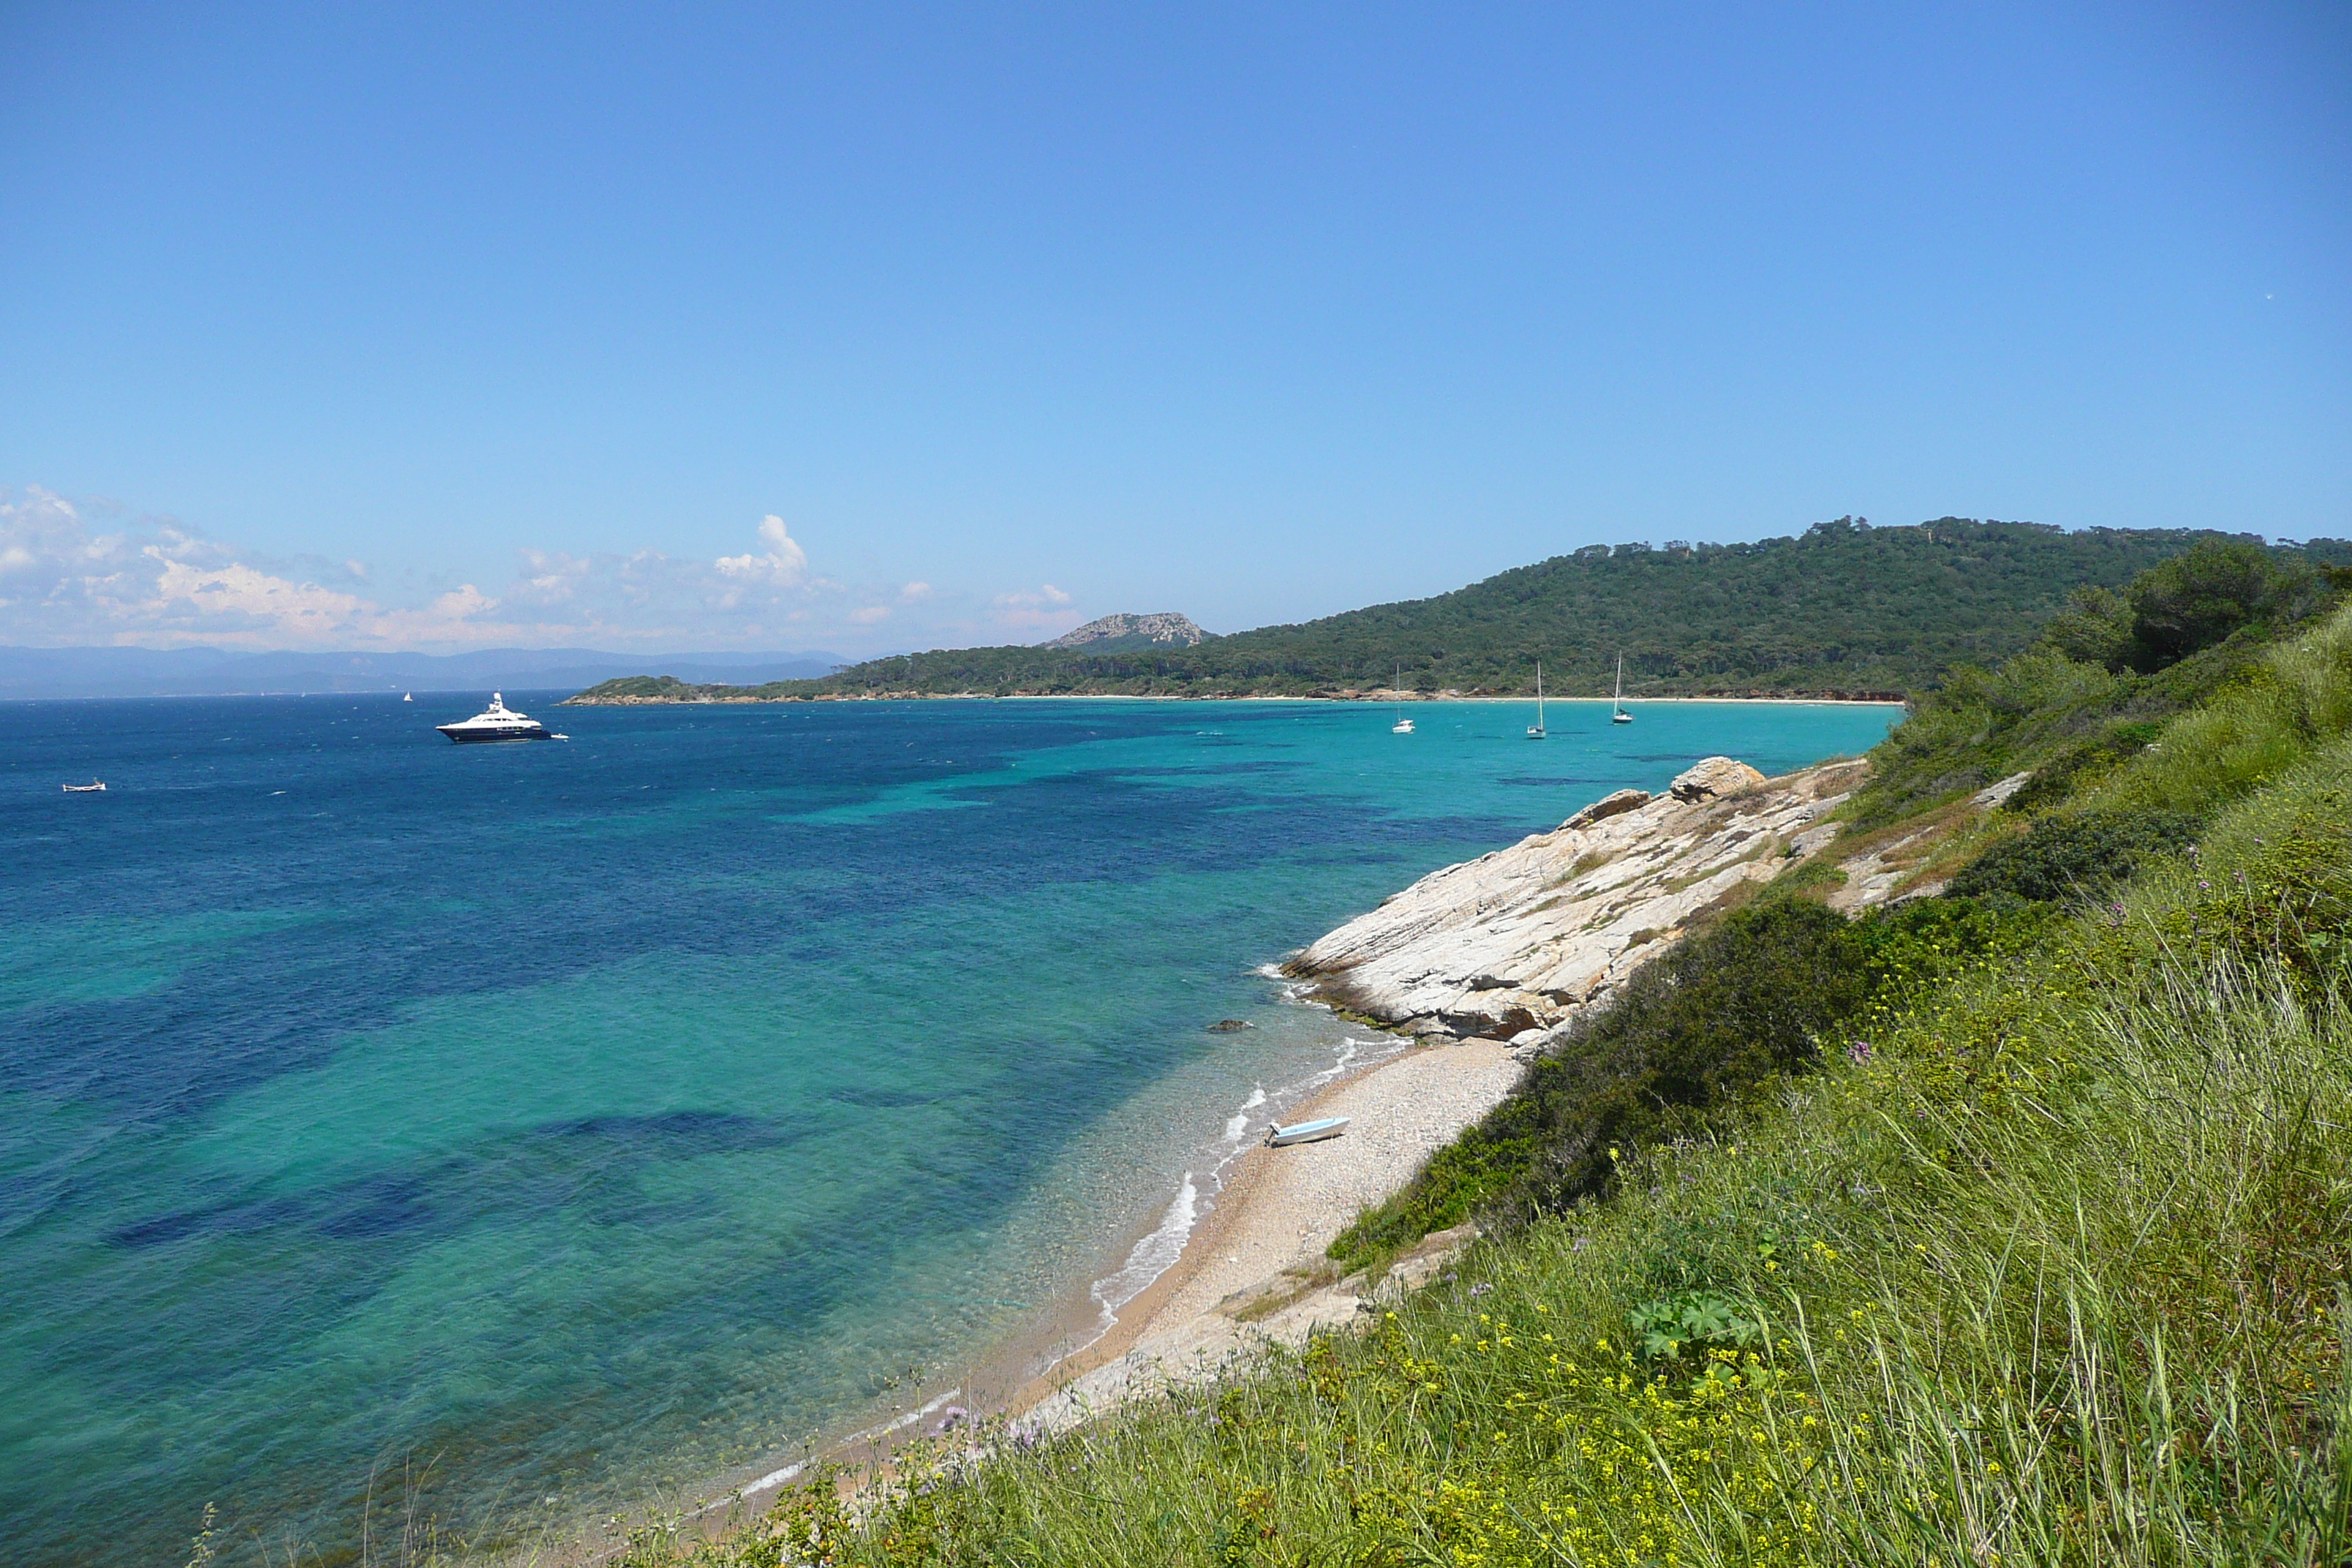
x: 1508, y: 946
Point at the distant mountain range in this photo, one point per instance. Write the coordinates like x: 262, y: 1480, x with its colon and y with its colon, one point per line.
x: 36, y: 672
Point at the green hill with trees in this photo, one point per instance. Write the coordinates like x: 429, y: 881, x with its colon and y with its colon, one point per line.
x: 1844, y: 608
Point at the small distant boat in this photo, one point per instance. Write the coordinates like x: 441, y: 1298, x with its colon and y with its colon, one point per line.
x: 1403, y: 726
x: 1536, y: 730
x: 408, y: 697
x: 1617, y: 714
x: 497, y: 723
x: 95, y: 787
x: 1280, y: 1137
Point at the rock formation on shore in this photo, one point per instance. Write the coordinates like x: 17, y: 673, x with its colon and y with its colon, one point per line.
x: 1508, y: 946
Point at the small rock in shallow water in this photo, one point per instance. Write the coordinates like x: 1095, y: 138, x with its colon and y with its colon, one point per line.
x: 1230, y: 1026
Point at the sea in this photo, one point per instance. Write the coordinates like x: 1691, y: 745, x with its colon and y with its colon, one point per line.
x: 522, y: 1137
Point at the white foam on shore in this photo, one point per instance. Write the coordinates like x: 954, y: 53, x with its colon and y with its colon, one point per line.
x: 1348, y: 1045
x: 1238, y: 1124
x: 1154, y: 1255
x: 778, y: 1478
x: 909, y: 1418
x: 1158, y: 1251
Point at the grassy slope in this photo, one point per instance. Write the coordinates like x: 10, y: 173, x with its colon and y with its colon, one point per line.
x: 1840, y: 608
x: 2046, y: 1260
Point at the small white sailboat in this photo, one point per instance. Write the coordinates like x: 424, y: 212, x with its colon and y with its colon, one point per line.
x: 95, y: 787
x: 1617, y: 714
x: 1281, y: 1137
x: 1403, y: 726
x: 1536, y: 730
x: 408, y: 697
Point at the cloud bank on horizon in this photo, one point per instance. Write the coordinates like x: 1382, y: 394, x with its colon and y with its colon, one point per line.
x: 82, y: 574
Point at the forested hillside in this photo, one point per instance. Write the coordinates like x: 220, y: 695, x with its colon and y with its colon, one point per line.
x: 1844, y: 608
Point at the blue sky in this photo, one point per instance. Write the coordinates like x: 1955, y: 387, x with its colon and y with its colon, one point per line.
x: 886, y: 326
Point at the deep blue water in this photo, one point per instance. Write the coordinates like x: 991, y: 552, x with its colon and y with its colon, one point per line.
x: 597, y: 1117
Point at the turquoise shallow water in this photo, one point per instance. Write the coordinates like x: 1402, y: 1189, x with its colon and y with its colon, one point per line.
x: 605, y: 1116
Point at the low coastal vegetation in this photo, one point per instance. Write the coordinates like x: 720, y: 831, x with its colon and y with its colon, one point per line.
x: 1845, y: 608
x: 2012, y: 1223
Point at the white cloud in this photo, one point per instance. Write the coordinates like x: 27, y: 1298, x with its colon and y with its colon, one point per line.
x: 785, y: 562
x: 1046, y: 594
x: 155, y: 581
x: 1028, y: 612
x: 84, y: 573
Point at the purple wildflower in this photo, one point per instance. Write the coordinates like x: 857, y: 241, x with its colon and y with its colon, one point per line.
x: 1480, y: 1289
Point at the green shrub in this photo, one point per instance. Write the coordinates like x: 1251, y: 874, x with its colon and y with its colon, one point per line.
x: 2072, y: 857
x: 2199, y: 597
x: 2082, y: 764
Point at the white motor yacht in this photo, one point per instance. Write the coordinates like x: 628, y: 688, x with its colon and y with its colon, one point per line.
x: 497, y: 723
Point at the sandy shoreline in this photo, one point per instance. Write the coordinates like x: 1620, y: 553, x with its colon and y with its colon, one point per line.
x: 1253, y: 1267
x: 1277, y: 1210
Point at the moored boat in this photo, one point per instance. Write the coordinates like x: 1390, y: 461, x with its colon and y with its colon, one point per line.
x: 1403, y: 726
x: 95, y: 787
x: 497, y: 723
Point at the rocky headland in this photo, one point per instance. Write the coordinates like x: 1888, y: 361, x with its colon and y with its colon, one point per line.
x: 1511, y: 945
x: 1494, y: 956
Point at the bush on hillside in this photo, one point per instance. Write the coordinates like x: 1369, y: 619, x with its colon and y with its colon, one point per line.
x: 2190, y: 603
x: 2074, y: 858
x: 2081, y: 764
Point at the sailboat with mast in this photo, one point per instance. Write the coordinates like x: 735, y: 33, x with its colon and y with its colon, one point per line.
x: 1536, y: 730
x: 1617, y: 714
x: 1403, y: 726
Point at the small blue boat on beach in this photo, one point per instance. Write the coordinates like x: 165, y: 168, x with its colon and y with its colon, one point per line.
x: 1278, y: 1136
